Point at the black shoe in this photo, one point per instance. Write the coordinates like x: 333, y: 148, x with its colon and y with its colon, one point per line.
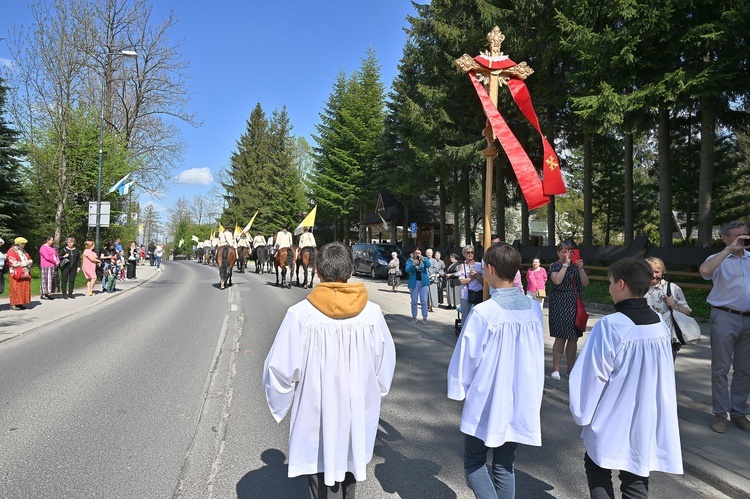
x: 740, y: 422
x: 65, y: 297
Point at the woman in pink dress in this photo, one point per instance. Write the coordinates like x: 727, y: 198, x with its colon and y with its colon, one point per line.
x: 48, y: 261
x: 90, y: 261
x: 536, y: 281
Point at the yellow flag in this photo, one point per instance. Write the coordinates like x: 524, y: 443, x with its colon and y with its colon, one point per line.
x: 221, y: 228
x: 250, y: 223
x: 195, y: 238
x: 182, y: 241
x: 309, y: 221
x: 237, y: 230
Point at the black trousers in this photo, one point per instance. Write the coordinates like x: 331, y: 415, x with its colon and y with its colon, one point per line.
x: 339, y: 490
x: 600, y: 482
x: 67, y: 279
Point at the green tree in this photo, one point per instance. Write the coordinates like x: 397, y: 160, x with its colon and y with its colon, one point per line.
x: 288, y: 199
x: 249, y: 179
x: 13, y: 201
x: 336, y: 177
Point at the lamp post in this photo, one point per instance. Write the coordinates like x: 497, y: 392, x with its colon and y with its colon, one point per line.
x: 126, y: 53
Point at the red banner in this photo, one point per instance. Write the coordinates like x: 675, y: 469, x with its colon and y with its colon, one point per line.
x: 552, y: 181
x: 528, y: 178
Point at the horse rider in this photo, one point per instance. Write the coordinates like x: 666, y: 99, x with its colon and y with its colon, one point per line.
x: 226, y: 238
x: 259, y: 241
x: 199, y: 250
x: 283, y: 238
x: 306, y: 239
x: 243, y: 241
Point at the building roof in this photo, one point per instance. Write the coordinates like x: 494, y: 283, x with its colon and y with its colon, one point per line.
x: 423, y: 210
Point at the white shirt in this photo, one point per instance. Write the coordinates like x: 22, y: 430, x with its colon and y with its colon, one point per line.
x: 498, y: 367
x: 243, y: 242
x: 622, y: 392
x: 259, y: 241
x: 306, y: 239
x: 284, y: 239
x: 269, y: 242
x: 332, y: 374
x: 654, y: 298
x: 226, y: 239
x: 731, y: 283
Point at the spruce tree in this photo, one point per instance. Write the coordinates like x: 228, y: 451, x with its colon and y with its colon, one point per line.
x: 13, y: 200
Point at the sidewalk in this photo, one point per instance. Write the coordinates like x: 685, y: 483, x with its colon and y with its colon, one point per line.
x: 722, y: 461
x: 42, y: 312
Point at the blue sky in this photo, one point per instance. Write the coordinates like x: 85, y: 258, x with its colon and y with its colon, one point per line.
x: 277, y: 53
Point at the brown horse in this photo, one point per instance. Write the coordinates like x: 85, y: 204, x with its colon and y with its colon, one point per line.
x: 225, y: 258
x: 306, y: 260
x: 284, y: 258
x: 243, y: 253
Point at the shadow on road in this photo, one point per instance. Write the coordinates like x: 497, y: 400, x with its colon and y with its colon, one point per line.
x: 271, y: 480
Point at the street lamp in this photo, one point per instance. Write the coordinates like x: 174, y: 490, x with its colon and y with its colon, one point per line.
x: 125, y: 53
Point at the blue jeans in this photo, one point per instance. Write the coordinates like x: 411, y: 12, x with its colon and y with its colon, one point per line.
x: 158, y: 262
x: 419, y: 292
x: 502, y: 484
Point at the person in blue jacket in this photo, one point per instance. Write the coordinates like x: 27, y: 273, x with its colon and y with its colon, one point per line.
x: 419, y: 283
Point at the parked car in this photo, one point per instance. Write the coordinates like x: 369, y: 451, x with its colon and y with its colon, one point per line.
x: 372, y: 259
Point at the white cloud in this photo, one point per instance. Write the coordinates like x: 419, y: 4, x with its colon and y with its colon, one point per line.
x: 6, y: 62
x: 199, y: 176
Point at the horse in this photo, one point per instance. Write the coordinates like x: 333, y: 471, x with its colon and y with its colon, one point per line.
x: 225, y: 257
x: 242, y: 254
x: 260, y: 259
x: 284, y: 257
x: 306, y: 258
x: 270, y: 258
x: 199, y: 254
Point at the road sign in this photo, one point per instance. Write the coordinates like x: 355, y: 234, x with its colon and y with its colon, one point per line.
x: 413, y: 228
x: 103, y: 218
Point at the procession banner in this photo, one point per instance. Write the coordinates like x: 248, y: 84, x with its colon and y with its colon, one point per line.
x: 309, y: 221
x: 528, y: 178
x: 250, y: 223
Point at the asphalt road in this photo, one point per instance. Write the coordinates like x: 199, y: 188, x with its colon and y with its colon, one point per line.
x: 158, y: 394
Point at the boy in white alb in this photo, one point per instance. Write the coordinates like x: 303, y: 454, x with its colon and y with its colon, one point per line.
x: 331, y: 363
x: 498, y: 368
x: 622, y: 390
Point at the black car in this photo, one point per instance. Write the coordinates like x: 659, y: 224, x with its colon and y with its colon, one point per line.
x: 372, y: 259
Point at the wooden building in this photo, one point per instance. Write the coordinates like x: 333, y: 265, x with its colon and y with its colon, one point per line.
x: 391, y: 221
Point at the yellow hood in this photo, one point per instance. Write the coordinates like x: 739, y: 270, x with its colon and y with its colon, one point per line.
x: 339, y: 300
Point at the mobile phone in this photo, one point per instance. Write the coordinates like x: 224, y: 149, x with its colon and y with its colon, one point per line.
x: 575, y: 255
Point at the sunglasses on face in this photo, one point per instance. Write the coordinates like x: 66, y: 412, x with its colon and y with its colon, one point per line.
x: 469, y: 252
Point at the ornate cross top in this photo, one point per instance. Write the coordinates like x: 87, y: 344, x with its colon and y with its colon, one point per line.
x: 496, y: 39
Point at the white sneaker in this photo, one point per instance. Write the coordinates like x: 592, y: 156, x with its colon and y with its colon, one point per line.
x: 555, y: 375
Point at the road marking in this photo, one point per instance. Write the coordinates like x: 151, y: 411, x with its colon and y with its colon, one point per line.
x: 204, y: 457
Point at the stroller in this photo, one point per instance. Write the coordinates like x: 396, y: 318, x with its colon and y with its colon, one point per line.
x: 458, y: 324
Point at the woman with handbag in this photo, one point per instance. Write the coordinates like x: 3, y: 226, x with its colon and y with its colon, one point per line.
x: 536, y: 282
x: 666, y: 298
x: 19, y: 262
x: 568, y: 280
x: 70, y: 265
x: 471, y: 277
